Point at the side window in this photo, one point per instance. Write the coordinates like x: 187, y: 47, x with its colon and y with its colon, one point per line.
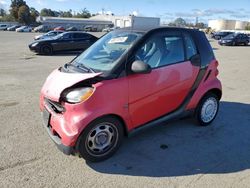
x: 190, y: 47
x: 161, y: 50
x: 67, y: 36
x: 52, y: 34
x: 81, y: 36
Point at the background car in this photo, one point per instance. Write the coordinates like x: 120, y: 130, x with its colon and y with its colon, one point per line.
x: 42, y: 28
x: 60, y: 28
x: 13, y: 28
x: 108, y: 29
x: 24, y: 29
x: 68, y: 41
x: 72, y: 29
x: 90, y: 28
x: 235, y: 39
x: 3, y: 27
x: 48, y: 35
x: 220, y: 35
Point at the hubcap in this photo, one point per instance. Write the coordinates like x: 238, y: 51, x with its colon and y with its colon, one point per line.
x: 101, y: 139
x: 209, y: 110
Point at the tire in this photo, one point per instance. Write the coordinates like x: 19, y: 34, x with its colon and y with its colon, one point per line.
x: 100, y: 139
x: 207, y: 109
x: 233, y: 44
x: 246, y: 43
x: 46, y: 50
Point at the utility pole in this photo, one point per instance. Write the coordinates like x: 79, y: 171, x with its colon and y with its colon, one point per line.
x: 197, y: 20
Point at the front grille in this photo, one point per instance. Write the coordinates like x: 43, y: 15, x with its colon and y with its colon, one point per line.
x: 54, y: 106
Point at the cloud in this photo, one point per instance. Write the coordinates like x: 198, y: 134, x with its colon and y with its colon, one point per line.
x: 3, y: 4
x: 208, y: 13
x: 40, y: 2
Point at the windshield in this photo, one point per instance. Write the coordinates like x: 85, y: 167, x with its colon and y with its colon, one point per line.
x: 230, y: 36
x: 103, y: 55
x: 58, y: 36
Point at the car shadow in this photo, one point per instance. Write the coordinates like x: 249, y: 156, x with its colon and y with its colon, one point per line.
x: 180, y: 148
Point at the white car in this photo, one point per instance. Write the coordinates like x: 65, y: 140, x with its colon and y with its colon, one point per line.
x: 108, y: 29
x: 48, y: 35
x: 3, y: 27
x: 24, y: 29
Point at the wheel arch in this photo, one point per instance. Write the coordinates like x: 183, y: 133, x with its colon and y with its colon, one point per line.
x: 215, y: 91
x: 46, y: 44
x: 119, y: 118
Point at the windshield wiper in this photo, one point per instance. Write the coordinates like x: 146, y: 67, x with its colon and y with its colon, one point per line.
x: 85, y: 68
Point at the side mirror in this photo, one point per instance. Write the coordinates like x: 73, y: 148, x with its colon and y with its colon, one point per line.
x: 140, y: 67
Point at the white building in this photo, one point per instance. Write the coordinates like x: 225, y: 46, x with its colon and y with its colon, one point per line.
x: 130, y: 21
x: 101, y: 21
x: 221, y: 24
x: 79, y: 23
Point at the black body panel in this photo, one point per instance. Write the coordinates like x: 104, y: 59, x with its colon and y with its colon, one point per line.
x: 72, y: 43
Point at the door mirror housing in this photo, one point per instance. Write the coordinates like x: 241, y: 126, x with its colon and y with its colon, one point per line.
x: 140, y: 67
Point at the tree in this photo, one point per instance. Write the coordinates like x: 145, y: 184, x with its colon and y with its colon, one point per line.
x: 248, y: 27
x: 7, y: 18
x: 200, y: 25
x: 14, y: 7
x: 48, y: 12
x: 2, y: 12
x: 24, y: 14
x: 33, y: 14
x: 83, y: 14
x: 67, y: 14
x: 180, y: 22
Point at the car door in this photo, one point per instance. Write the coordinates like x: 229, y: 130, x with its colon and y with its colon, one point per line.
x: 82, y: 41
x: 238, y: 39
x: 64, y: 43
x: 244, y: 39
x: 163, y: 90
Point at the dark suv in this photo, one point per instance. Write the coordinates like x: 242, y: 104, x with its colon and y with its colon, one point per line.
x: 235, y: 39
x: 220, y: 35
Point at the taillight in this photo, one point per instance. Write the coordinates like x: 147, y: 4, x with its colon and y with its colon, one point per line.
x: 217, y: 72
x: 216, y: 66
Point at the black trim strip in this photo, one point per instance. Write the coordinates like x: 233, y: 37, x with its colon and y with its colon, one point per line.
x: 208, y: 74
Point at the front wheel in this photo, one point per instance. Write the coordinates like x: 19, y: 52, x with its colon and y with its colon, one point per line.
x: 101, y: 139
x: 207, y: 109
x: 46, y: 50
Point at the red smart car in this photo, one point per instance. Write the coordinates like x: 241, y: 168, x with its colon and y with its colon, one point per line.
x: 126, y: 81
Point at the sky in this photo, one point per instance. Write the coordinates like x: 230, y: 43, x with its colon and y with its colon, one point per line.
x: 167, y: 10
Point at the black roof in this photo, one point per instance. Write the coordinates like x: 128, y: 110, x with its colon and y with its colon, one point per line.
x: 145, y: 30
x: 204, y: 48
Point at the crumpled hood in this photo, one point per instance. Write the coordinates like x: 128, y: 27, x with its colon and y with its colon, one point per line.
x: 58, y: 81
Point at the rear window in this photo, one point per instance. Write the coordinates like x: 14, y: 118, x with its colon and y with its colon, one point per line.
x: 81, y: 36
x: 189, y: 46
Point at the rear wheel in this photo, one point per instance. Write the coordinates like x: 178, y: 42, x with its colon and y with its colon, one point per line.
x: 46, y: 50
x: 246, y: 43
x: 207, y: 109
x: 101, y: 139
